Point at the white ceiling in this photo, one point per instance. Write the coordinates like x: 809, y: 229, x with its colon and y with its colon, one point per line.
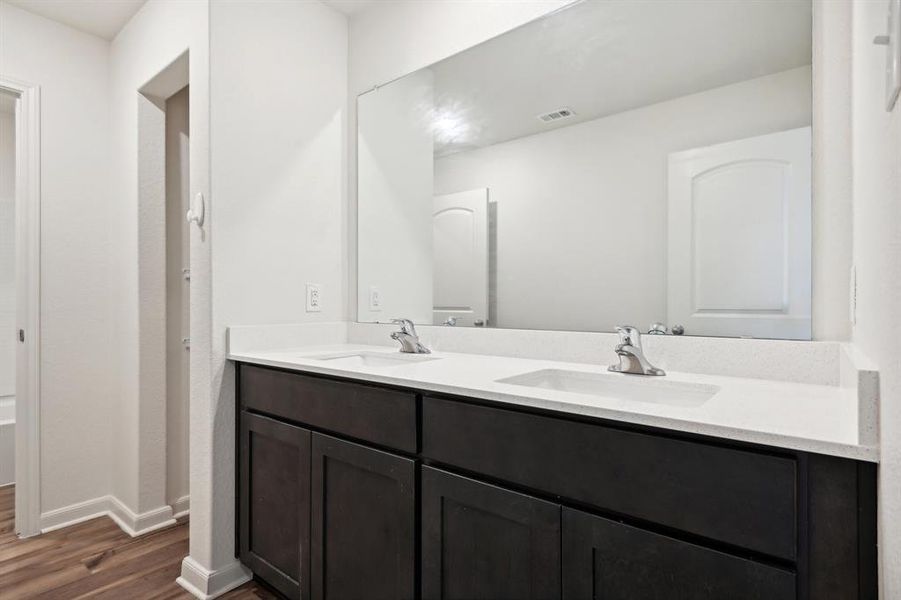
x: 349, y: 7
x: 103, y: 18
x: 604, y: 57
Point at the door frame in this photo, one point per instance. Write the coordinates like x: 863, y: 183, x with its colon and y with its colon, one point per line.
x: 28, y: 304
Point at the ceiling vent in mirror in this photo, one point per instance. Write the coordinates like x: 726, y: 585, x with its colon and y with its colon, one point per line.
x: 557, y: 115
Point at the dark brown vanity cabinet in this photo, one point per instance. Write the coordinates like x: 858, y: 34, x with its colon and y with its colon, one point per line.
x: 319, y: 516
x: 610, y: 560
x: 481, y: 542
x: 274, y: 502
x: 349, y: 491
x: 363, y: 522
x: 748, y: 499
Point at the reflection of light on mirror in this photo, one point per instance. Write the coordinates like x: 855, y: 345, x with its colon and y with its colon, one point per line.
x: 453, y: 125
x: 448, y: 128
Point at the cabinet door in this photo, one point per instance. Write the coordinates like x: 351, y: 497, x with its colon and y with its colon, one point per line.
x: 480, y: 541
x: 274, y: 517
x: 363, y: 522
x: 607, y: 559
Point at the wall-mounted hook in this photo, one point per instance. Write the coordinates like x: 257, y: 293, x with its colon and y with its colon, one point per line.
x: 197, y: 211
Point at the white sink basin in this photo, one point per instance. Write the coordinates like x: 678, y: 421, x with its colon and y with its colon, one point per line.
x: 374, y: 359
x: 656, y: 390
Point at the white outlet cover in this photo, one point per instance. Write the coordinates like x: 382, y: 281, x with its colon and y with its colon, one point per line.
x: 314, y: 297
x: 375, y: 299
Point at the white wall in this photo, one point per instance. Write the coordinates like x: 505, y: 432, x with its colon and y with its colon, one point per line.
x: 7, y: 246
x: 95, y: 437
x: 157, y: 35
x: 278, y: 84
x: 154, y: 38
x: 178, y: 193
x: 398, y: 37
x: 395, y: 146
x: 279, y: 96
x: 595, y: 194
x: 877, y: 255
x: 71, y: 68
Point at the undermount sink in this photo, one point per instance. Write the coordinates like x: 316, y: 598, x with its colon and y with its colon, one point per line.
x: 374, y: 359
x: 624, y: 387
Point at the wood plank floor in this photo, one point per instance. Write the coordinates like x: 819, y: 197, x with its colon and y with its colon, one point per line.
x: 96, y: 559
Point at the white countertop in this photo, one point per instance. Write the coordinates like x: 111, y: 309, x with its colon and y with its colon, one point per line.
x: 813, y: 418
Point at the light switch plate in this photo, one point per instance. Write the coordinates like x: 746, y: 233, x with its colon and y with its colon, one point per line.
x: 314, y: 297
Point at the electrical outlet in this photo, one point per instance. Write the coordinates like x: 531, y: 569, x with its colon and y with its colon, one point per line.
x: 314, y: 297
x: 375, y: 299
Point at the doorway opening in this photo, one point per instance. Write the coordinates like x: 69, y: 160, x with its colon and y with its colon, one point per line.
x: 8, y: 102
x: 178, y: 297
x: 20, y: 231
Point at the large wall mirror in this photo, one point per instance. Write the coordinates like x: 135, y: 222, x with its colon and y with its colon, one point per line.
x: 617, y: 161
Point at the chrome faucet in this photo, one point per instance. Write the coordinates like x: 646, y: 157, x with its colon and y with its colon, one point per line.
x: 409, y: 341
x: 631, y: 356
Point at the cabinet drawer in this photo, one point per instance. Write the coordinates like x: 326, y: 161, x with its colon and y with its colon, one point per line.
x: 381, y: 416
x: 739, y: 497
x: 606, y: 559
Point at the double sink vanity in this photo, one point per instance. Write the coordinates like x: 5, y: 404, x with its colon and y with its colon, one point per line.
x: 608, y: 162
x: 364, y: 472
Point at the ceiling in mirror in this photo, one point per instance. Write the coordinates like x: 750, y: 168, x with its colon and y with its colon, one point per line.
x: 614, y: 162
x: 644, y: 53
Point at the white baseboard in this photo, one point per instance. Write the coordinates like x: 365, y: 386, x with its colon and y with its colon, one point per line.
x: 74, y: 514
x: 181, y: 507
x: 205, y: 585
x: 135, y: 524
x: 132, y: 523
x: 7, y: 450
